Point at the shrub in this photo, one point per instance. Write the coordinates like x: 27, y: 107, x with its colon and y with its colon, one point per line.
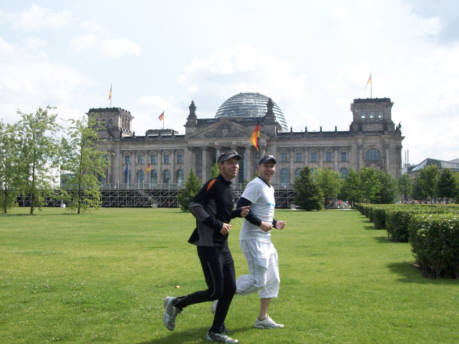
x: 379, y: 217
x: 435, y: 243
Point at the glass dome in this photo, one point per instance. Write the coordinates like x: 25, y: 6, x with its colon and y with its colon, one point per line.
x: 250, y: 105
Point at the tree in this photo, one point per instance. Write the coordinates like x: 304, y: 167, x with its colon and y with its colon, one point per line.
x: 214, y: 171
x: 370, y: 184
x: 191, y: 188
x: 39, y: 153
x: 446, y: 186
x: 84, y: 163
x: 328, y: 182
x: 405, y: 186
x: 10, y: 171
x: 388, y: 188
x: 428, y: 178
x: 350, y: 188
x: 307, y: 194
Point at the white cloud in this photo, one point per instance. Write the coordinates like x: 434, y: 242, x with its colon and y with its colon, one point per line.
x: 246, y: 69
x: 38, y: 18
x: 6, y: 49
x: 113, y: 48
x: 105, y: 48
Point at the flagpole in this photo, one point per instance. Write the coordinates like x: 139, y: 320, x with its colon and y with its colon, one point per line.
x: 163, y: 121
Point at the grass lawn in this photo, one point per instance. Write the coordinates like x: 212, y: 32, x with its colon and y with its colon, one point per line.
x: 101, y: 278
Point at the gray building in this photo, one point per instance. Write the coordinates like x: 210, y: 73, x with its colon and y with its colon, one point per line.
x: 162, y: 158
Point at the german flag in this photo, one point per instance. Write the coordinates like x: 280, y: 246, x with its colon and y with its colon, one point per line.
x: 255, y: 136
x: 148, y: 169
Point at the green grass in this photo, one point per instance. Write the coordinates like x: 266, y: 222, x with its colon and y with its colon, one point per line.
x: 101, y: 278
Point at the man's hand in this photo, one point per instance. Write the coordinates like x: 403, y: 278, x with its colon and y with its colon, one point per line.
x: 280, y: 225
x: 225, y: 229
x: 245, y: 210
x: 266, y: 226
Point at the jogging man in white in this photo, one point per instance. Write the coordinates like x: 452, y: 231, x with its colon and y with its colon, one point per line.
x: 255, y: 241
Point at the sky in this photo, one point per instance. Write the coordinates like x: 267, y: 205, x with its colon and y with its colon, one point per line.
x: 313, y: 58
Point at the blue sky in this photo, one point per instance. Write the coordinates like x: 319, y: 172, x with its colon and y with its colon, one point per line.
x: 313, y: 58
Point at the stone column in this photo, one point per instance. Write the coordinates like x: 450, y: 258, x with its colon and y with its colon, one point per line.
x: 204, y: 164
x: 187, y: 161
x: 292, y: 156
x: 173, y: 176
x: 160, y: 166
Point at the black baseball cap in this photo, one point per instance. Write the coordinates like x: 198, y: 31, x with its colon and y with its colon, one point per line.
x: 229, y: 155
x: 266, y: 159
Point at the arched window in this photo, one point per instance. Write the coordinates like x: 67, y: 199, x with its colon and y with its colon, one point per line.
x: 166, y: 177
x: 343, y: 172
x: 153, y: 177
x: 140, y: 177
x: 285, y: 177
x: 179, y: 177
x: 373, y: 155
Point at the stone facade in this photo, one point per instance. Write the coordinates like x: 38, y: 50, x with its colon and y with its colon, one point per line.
x: 372, y: 141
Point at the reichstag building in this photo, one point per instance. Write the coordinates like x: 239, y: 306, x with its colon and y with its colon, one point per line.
x: 163, y: 158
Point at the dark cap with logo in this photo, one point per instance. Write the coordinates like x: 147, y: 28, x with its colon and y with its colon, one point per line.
x: 266, y: 159
x: 229, y: 155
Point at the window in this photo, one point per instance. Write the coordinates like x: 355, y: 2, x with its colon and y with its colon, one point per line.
x: 380, y: 115
x: 343, y: 156
x: 372, y: 115
x: 297, y: 172
x: 153, y: 159
x: 373, y: 155
x: 179, y: 159
x: 140, y: 177
x: 140, y: 159
x: 313, y: 156
x: 153, y: 177
x: 127, y: 176
x: 179, y: 176
x: 284, y: 156
x: 343, y: 172
x: 166, y: 177
x: 127, y: 159
x: 285, y: 177
x: 363, y: 115
x: 328, y: 156
x: 166, y: 158
x: 299, y: 157
x: 110, y: 123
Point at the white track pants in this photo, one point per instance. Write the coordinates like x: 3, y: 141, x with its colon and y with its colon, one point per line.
x: 263, y: 269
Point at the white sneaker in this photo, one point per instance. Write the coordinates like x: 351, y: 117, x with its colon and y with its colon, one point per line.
x: 170, y: 312
x: 214, y: 306
x: 267, y: 323
x: 220, y: 337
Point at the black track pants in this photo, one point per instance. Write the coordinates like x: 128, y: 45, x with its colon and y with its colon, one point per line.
x: 218, y: 267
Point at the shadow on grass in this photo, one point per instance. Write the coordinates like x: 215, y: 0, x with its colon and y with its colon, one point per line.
x: 410, y: 274
x: 385, y: 240
x: 183, y: 336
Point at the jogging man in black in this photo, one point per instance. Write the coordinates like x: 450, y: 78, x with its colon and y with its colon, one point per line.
x: 213, y: 210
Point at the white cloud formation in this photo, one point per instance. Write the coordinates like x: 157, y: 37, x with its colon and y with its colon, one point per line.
x: 105, y: 48
x: 37, y: 18
x: 246, y: 69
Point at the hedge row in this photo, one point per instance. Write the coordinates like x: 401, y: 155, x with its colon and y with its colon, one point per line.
x: 433, y: 231
x: 435, y: 242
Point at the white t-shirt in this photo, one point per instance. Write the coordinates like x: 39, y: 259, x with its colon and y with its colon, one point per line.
x: 263, y: 203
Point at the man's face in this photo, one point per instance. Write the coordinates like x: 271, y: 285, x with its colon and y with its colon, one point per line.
x: 266, y: 171
x: 229, y: 168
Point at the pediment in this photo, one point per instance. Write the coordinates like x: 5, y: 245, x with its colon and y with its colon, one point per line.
x: 223, y: 128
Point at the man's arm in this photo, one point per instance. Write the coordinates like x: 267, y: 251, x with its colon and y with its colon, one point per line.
x: 251, y: 217
x: 198, y: 204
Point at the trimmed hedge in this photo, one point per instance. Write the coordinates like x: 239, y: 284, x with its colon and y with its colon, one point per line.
x: 435, y: 243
